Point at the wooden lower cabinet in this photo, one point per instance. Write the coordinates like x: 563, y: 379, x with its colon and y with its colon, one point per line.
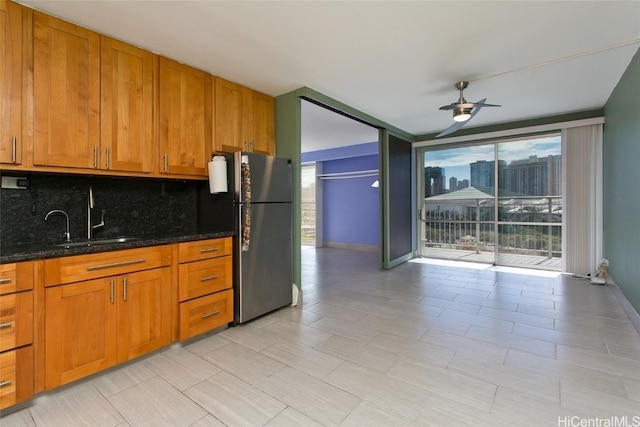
x: 94, y: 324
x: 143, y: 313
x: 16, y: 333
x: 16, y: 376
x: 205, y: 285
x: 203, y: 314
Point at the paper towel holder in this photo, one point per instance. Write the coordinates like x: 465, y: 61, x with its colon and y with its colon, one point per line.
x: 218, y: 175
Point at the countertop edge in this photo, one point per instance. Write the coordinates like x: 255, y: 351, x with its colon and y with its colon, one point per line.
x: 43, y: 251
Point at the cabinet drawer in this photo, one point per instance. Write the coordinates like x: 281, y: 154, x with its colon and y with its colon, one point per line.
x: 205, y: 313
x: 204, y: 249
x: 204, y: 277
x: 16, y: 277
x: 16, y: 320
x: 83, y: 267
x: 16, y: 376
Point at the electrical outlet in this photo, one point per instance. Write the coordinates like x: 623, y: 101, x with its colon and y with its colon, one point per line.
x: 15, y: 183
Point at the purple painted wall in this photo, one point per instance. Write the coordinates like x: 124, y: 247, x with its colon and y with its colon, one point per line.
x: 350, y: 206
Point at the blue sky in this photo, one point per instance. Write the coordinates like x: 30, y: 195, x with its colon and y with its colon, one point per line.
x: 456, y: 160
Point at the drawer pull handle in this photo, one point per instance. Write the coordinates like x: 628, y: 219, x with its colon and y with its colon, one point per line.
x: 116, y: 264
x: 203, y: 251
x: 13, y: 150
x: 5, y: 383
x: 205, y: 278
x: 5, y: 279
x: 211, y: 313
x: 5, y: 325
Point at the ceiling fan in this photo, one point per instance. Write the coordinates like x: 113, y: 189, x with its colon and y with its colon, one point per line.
x: 463, y: 111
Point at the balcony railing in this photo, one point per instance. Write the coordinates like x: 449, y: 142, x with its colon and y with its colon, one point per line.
x: 530, y: 226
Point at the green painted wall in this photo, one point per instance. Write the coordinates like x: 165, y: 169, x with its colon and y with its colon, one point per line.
x: 621, y: 180
x: 287, y: 135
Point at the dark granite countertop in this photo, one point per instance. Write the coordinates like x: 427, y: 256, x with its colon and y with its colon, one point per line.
x: 32, y: 251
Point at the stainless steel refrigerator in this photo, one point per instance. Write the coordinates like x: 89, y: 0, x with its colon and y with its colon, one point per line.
x: 257, y: 208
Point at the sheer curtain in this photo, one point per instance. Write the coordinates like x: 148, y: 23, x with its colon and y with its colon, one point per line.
x: 582, y: 193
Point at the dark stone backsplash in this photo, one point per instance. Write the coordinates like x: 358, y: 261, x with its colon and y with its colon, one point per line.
x: 133, y: 207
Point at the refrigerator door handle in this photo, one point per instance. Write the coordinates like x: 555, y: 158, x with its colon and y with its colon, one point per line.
x: 246, y: 228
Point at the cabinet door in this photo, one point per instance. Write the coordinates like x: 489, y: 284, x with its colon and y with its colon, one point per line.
x: 11, y: 57
x: 143, y: 312
x: 80, y: 330
x: 185, y: 119
x: 261, y: 130
x: 127, y: 90
x: 229, y: 113
x: 66, y: 94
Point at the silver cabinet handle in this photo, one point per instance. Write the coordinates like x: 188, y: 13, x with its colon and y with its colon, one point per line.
x: 5, y: 325
x: 111, y: 297
x: 95, y: 157
x: 116, y: 264
x: 124, y: 288
x: 5, y: 383
x: 204, y: 251
x: 166, y: 162
x: 13, y: 149
x: 211, y: 313
x: 5, y: 280
x: 205, y: 278
x: 107, y: 157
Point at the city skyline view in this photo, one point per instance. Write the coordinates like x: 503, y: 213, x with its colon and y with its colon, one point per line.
x: 456, y: 161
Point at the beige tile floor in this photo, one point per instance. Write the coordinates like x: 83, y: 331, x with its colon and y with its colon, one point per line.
x: 422, y: 344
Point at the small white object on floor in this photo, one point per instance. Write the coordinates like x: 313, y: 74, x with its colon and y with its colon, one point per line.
x: 294, y: 295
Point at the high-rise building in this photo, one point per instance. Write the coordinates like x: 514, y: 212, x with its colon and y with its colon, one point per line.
x: 482, y: 174
x: 534, y: 176
x: 433, y: 181
x: 453, y: 183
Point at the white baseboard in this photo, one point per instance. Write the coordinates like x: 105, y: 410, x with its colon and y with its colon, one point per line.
x: 352, y: 246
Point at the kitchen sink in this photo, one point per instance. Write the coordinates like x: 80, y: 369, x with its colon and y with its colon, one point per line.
x: 95, y: 242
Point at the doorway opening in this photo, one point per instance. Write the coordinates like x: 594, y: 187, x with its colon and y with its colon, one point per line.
x: 308, y: 204
x: 339, y: 164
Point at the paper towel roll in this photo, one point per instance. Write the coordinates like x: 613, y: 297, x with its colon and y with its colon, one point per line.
x: 218, y: 175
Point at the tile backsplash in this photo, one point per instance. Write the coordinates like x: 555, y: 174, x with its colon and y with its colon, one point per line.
x: 133, y: 207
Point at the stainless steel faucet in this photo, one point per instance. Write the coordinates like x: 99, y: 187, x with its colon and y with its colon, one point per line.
x: 67, y: 235
x: 91, y: 227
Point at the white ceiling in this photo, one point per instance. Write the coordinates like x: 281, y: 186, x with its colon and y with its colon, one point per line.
x: 394, y: 60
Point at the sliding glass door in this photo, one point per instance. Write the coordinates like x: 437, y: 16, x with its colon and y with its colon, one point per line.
x: 463, y: 217
x: 530, y: 203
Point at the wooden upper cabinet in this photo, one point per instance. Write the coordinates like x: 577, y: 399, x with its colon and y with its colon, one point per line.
x: 127, y: 107
x: 66, y: 94
x: 11, y: 87
x: 243, y: 119
x: 185, y: 115
x: 259, y: 124
x: 229, y: 111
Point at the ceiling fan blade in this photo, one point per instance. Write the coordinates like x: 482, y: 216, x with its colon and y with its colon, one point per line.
x: 447, y: 107
x: 482, y: 103
x: 454, y: 127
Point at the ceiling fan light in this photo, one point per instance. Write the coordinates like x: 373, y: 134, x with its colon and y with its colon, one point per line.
x: 461, y: 114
